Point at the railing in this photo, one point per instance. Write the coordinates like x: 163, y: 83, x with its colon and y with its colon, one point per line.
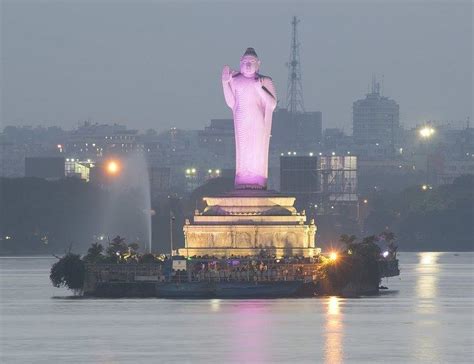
x: 201, y: 272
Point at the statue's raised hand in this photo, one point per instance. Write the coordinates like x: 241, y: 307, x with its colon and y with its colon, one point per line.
x: 227, y: 74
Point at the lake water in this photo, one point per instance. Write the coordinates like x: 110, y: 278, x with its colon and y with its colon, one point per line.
x: 426, y: 316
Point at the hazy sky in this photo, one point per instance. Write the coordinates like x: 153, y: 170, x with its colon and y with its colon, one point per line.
x: 157, y: 64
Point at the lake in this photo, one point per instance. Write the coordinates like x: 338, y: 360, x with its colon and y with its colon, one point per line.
x: 425, y: 316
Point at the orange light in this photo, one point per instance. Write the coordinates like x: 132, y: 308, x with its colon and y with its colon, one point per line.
x: 112, y: 167
x: 333, y: 256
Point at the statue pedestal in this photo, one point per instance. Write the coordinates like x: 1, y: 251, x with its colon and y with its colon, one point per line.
x: 244, y: 222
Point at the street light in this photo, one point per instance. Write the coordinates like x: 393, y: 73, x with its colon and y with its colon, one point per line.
x: 426, y: 132
x: 112, y: 167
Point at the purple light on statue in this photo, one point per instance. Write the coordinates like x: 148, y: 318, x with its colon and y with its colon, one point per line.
x: 252, y: 98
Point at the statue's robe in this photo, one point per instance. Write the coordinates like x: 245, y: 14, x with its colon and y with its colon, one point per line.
x: 252, y: 122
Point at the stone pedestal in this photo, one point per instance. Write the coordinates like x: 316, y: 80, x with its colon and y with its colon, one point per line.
x: 244, y: 222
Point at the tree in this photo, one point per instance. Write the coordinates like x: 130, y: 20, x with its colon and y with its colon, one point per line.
x: 117, y: 248
x: 347, y: 240
x: 68, y: 272
x: 147, y: 258
x: 94, y: 253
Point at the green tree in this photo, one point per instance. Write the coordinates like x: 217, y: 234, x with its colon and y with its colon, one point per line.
x: 94, y: 253
x: 69, y: 272
x: 117, y: 248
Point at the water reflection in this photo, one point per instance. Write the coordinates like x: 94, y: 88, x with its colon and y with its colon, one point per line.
x: 251, y: 332
x: 333, y: 351
x: 427, y: 273
x: 215, y: 305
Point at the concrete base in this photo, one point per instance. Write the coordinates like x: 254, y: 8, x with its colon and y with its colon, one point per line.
x: 244, y: 222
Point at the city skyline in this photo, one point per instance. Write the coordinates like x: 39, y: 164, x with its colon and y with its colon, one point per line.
x: 139, y: 73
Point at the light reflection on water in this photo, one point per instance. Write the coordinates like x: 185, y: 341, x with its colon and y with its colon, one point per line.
x: 333, y: 348
x: 426, y: 316
x: 249, y: 331
x: 427, y: 277
x: 427, y: 281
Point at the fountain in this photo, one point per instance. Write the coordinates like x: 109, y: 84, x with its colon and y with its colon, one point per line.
x: 128, y: 212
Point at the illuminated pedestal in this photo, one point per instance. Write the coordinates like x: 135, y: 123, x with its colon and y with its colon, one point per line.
x: 245, y: 222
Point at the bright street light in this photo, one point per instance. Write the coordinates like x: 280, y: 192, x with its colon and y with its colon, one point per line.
x: 112, y: 167
x: 426, y: 132
x: 426, y: 187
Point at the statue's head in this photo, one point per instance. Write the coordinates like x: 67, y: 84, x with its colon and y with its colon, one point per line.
x: 249, y: 63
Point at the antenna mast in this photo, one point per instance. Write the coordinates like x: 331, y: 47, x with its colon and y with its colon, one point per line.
x: 294, y: 92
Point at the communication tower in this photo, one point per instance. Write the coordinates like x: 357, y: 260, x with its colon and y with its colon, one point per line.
x: 294, y: 92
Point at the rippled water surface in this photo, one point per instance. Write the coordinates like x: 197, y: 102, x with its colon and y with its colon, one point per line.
x: 426, y: 316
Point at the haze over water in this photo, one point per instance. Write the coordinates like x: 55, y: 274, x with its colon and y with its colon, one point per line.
x: 426, y: 316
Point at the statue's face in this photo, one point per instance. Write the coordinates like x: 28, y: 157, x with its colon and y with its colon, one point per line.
x: 249, y: 65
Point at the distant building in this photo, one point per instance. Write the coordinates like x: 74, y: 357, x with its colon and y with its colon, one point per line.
x: 321, y: 184
x: 301, y: 133
x: 299, y: 177
x: 376, y: 119
x: 335, y: 140
x: 12, y: 159
x: 51, y: 168
x: 338, y: 178
x: 160, y: 181
x: 93, y: 140
x: 218, y: 143
x: 453, y: 169
x: 79, y: 169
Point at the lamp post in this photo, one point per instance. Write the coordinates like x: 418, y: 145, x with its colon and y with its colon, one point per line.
x: 172, y: 217
x: 426, y: 133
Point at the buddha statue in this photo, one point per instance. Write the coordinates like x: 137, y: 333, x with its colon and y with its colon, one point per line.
x: 252, y: 98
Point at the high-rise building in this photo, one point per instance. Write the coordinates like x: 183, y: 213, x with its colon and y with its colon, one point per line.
x: 376, y: 119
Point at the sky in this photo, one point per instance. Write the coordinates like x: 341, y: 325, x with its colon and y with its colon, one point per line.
x: 157, y: 64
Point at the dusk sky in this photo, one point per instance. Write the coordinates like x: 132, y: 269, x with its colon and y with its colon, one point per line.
x: 157, y: 64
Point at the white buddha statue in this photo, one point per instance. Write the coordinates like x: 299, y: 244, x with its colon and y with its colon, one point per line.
x: 252, y: 98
